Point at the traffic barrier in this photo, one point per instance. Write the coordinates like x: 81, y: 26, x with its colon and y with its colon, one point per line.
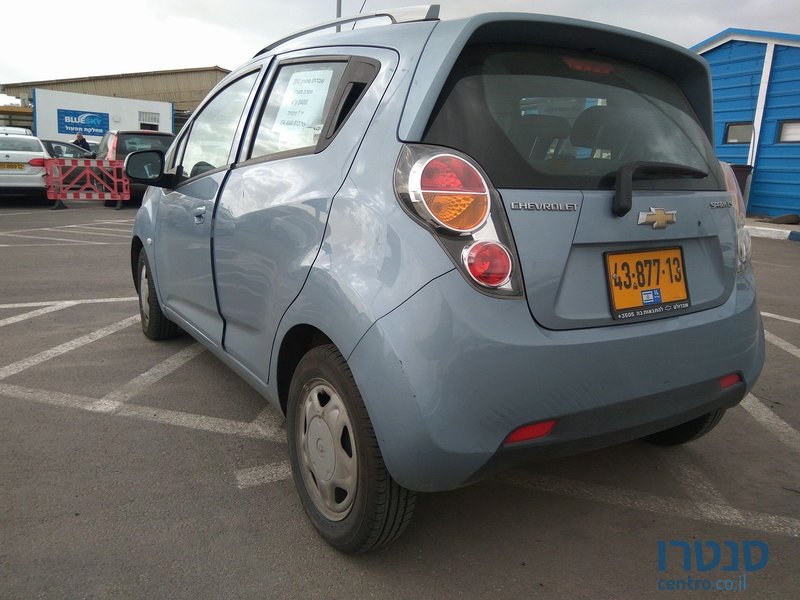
x: 86, y: 179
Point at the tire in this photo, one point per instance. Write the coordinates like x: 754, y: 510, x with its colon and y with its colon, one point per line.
x: 687, y: 432
x: 154, y: 324
x: 337, y: 466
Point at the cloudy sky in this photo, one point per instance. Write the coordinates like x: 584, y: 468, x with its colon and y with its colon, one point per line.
x: 102, y: 37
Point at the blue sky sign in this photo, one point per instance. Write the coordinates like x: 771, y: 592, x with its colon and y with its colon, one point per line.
x: 77, y: 121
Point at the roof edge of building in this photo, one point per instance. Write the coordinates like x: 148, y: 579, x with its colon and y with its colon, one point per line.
x: 118, y: 75
x: 746, y: 35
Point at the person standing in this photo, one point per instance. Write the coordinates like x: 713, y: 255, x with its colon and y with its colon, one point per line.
x: 81, y: 141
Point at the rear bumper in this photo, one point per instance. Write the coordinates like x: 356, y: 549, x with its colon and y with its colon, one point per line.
x: 450, y: 373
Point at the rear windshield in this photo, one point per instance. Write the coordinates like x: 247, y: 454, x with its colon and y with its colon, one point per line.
x: 20, y: 144
x: 131, y: 143
x: 546, y: 118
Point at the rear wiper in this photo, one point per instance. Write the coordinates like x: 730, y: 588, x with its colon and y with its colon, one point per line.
x: 623, y: 197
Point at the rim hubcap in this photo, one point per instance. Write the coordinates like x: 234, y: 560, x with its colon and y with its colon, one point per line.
x: 327, y: 450
x: 144, y: 294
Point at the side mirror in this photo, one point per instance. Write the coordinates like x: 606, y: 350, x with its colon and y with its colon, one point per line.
x: 147, y: 166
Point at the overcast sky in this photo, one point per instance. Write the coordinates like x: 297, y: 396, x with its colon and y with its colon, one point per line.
x: 104, y: 37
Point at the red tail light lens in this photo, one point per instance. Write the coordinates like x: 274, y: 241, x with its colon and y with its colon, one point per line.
x: 488, y: 262
x: 36, y: 162
x: 454, y: 193
x: 530, y: 432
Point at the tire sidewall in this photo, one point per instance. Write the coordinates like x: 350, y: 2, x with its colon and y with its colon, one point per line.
x: 347, y: 534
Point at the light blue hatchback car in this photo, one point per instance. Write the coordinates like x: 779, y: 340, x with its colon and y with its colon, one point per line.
x: 442, y: 248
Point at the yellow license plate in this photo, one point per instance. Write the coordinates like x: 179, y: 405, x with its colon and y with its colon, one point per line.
x: 645, y: 284
x: 12, y: 166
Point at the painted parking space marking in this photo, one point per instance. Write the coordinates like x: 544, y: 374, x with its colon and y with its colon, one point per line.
x: 50, y: 307
x: 37, y: 359
x: 707, y: 499
x: 704, y: 502
x: 144, y: 413
x: 38, y: 237
x: 16, y: 214
x: 767, y: 418
x: 780, y: 318
x: 782, y: 344
x: 627, y: 498
x: 263, y: 474
x: 112, y: 401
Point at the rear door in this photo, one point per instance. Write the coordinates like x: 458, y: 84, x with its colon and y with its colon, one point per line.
x: 557, y: 131
x: 272, y: 214
x: 202, y: 162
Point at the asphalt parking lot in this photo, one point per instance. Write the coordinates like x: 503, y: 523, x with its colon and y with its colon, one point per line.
x: 134, y: 469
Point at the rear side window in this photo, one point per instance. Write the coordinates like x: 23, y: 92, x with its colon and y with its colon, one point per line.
x: 545, y: 118
x: 297, y: 107
x: 128, y: 143
x: 20, y: 144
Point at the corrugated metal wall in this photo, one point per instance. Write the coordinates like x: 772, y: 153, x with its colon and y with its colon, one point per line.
x: 776, y: 179
x: 735, y: 74
x: 184, y: 88
x: 736, y: 70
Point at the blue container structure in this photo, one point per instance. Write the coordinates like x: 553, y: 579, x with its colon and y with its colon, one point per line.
x: 756, y: 84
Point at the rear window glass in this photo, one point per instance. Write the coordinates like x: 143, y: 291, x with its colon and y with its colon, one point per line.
x: 20, y: 144
x: 131, y: 143
x: 545, y: 118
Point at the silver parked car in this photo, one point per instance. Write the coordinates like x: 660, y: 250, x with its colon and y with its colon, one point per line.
x: 445, y: 248
x: 22, y: 169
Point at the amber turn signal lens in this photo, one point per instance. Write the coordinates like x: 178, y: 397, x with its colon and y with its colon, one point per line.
x: 454, y: 193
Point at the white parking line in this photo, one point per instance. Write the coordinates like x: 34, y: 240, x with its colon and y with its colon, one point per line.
x: 51, y: 307
x: 36, y: 313
x: 38, y: 237
x: 126, y: 231
x: 779, y: 428
x: 121, y: 234
x: 263, y: 474
x: 271, y: 421
x: 697, y: 486
x: 84, y: 301
x: 110, y: 402
x: 144, y: 413
x: 31, y: 361
x: 676, y: 507
x: 16, y: 214
x: 780, y: 318
x: 782, y: 344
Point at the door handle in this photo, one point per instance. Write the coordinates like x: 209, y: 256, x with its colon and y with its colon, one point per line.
x: 199, y: 215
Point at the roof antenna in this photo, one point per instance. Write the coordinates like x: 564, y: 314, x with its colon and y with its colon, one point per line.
x: 363, y: 4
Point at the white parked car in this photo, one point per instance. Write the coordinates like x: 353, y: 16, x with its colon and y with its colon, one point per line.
x: 22, y: 166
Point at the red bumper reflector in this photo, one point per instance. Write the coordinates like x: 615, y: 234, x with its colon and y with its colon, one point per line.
x: 729, y: 380
x: 530, y: 432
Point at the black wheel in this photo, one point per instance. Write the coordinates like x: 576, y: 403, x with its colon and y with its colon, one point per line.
x: 337, y: 466
x: 686, y: 432
x: 154, y: 324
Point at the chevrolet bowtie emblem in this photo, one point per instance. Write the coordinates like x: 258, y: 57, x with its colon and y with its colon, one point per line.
x: 659, y: 217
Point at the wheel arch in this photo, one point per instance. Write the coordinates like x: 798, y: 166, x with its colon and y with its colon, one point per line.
x: 294, y: 345
x: 136, y: 248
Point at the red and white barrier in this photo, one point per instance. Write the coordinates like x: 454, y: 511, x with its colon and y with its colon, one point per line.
x: 86, y: 179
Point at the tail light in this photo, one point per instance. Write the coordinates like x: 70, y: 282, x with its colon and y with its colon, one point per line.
x: 451, y: 191
x: 448, y: 193
x: 488, y: 263
x: 36, y: 162
x: 739, y: 212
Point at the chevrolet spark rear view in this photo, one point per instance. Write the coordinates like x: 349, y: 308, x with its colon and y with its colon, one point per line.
x: 443, y: 248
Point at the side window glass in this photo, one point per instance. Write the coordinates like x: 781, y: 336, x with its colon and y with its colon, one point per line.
x: 298, y: 104
x: 209, y: 142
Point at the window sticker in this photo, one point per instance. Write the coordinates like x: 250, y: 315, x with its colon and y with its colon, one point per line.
x: 300, y: 116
